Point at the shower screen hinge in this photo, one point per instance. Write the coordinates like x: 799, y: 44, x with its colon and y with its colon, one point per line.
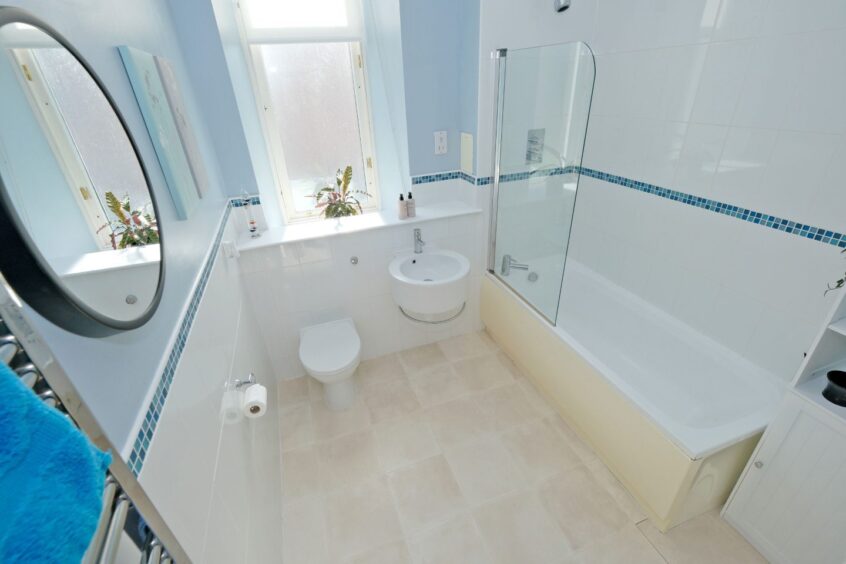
x: 499, y: 53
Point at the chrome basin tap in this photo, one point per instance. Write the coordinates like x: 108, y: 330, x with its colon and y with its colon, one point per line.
x: 419, y: 243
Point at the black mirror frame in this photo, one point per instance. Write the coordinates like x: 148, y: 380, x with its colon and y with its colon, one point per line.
x: 22, y: 264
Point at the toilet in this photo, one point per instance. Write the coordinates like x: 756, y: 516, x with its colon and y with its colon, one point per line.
x: 330, y: 353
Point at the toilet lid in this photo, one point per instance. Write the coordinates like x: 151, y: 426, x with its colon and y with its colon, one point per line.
x: 329, y: 347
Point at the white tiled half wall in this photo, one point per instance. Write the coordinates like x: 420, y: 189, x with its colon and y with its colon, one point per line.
x: 295, y: 285
x: 217, y: 485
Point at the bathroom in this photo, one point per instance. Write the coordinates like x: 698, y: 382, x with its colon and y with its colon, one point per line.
x: 578, y: 297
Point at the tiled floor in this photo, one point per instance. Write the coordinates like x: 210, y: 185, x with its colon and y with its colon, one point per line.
x: 451, y: 456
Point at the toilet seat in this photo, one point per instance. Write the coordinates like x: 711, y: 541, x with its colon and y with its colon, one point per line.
x: 330, y: 349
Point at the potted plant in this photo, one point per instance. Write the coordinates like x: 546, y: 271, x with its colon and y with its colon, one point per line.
x: 339, y: 200
x: 133, y: 227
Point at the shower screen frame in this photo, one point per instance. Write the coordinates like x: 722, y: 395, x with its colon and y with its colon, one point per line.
x: 500, y: 57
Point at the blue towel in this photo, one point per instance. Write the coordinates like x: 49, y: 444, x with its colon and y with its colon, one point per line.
x: 51, y: 479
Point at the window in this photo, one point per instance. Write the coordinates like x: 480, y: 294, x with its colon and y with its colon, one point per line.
x: 310, y: 86
x: 88, y: 141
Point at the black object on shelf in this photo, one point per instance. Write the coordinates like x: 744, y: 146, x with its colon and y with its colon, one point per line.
x: 835, y: 391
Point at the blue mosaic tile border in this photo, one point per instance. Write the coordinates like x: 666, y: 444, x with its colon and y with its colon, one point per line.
x: 154, y: 410
x: 825, y: 236
x: 241, y: 202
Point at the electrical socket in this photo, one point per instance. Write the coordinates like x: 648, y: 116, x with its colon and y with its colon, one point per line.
x: 440, y: 142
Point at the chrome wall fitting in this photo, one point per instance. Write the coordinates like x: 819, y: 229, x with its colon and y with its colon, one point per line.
x: 251, y: 379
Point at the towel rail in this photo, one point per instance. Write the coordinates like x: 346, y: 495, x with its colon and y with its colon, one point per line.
x: 123, y: 496
x: 110, y: 547
x: 96, y: 546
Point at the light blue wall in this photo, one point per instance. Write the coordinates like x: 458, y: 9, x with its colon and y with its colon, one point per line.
x: 197, y: 34
x: 440, y: 48
x: 383, y: 53
x: 468, y: 70
x: 115, y: 375
x: 33, y: 177
x: 237, y: 69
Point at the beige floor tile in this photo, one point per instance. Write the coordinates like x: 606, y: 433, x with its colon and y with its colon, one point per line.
x: 539, y: 450
x: 300, y: 473
x: 582, y: 509
x: 581, y: 448
x: 616, y: 490
x: 426, y: 493
x: 423, y: 357
x: 484, y: 469
x: 518, y: 529
x: 455, y: 542
x: 291, y: 391
x: 329, y: 424
x: 627, y: 546
x: 467, y: 345
x: 386, y: 368
x: 489, y: 341
x: 348, y: 460
x: 507, y: 407
x: 295, y: 427
x: 315, y: 390
x: 438, y: 385
x: 510, y: 365
x: 393, y: 553
x: 483, y: 373
x: 536, y: 398
x: 360, y: 519
x: 704, y: 539
x: 403, y: 441
x: 304, y: 531
x: 390, y: 400
x: 457, y: 422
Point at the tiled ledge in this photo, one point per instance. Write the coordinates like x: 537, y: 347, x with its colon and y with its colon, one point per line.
x: 330, y: 228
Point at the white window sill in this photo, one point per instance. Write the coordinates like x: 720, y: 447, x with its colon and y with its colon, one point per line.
x: 100, y: 261
x: 333, y: 227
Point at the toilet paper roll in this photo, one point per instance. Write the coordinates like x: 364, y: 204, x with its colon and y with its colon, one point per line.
x: 255, y: 401
x: 231, y: 407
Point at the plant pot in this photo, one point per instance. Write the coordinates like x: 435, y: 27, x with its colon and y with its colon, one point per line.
x: 835, y: 391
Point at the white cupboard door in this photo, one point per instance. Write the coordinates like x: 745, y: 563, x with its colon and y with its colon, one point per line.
x: 791, y: 502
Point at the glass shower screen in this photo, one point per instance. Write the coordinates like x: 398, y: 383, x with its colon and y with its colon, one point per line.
x: 543, y: 100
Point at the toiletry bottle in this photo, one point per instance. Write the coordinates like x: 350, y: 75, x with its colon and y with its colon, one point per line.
x: 411, y: 205
x: 251, y: 220
x: 403, y: 208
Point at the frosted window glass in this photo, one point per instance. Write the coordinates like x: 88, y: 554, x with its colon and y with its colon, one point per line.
x: 100, y: 140
x: 312, y: 92
x: 282, y: 14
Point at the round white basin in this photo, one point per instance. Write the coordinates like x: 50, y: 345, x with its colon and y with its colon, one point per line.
x: 430, y: 283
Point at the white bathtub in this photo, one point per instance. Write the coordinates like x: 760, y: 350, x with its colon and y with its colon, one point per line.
x: 674, y: 414
x: 704, y: 395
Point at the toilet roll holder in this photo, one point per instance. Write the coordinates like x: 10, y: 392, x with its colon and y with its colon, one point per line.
x: 251, y: 379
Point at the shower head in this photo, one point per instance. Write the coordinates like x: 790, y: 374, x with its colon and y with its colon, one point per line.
x: 561, y: 5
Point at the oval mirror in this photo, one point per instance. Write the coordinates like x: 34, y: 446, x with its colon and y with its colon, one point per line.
x: 79, y: 239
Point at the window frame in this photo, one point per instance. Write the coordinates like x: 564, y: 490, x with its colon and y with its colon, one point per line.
x: 47, y: 112
x: 251, y: 47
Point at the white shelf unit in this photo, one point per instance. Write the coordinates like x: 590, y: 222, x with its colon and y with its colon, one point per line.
x: 839, y: 326
x: 790, y: 501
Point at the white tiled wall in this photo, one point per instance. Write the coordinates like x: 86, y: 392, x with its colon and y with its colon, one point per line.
x: 734, y: 100
x: 295, y: 285
x: 218, y: 486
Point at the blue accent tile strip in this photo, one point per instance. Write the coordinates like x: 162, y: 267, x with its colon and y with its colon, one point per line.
x: 825, y: 236
x: 154, y: 410
x: 820, y: 234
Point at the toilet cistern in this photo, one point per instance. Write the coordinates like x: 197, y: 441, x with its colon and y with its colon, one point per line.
x: 419, y: 243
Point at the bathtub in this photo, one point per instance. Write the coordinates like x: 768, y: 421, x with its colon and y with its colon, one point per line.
x: 672, y: 413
